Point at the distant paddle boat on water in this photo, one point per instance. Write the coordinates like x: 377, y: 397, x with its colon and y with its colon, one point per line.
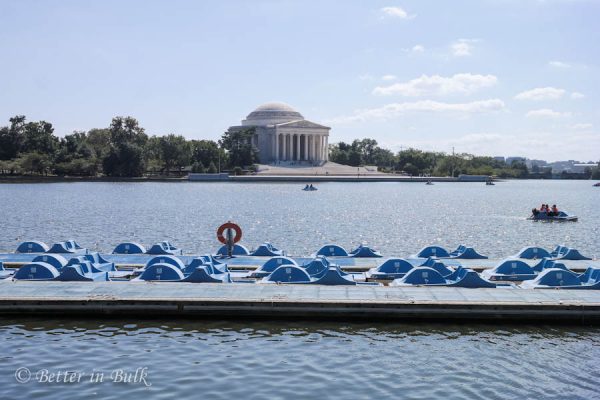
x: 597, y: 184
x: 547, y: 214
x: 309, y: 188
x: 429, y: 182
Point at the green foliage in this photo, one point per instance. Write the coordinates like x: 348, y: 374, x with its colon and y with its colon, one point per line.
x: 361, y: 152
x: 39, y: 137
x: 239, y: 145
x: 125, y: 160
x: 98, y: 140
x: 78, y: 167
x: 207, y: 151
x: 198, y: 167
x: 10, y: 167
x: 34, y: 163
x: 12, y: 137
x: 126, y: 130
x: 124, y: 150
x: 174, y: 151
x: 125, y: 157
x: 212, y: 168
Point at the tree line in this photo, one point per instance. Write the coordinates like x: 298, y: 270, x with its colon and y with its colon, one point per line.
x: 125, y: 150
x: 417, y: 162
x: 121, y: 150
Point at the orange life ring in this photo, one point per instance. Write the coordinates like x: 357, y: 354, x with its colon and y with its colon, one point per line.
x: 229, y: 225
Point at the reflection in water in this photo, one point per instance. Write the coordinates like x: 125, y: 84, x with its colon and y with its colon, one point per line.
x: 297, y: 359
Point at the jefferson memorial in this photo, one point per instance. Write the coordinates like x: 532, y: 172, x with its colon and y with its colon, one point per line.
x: 282, y: 134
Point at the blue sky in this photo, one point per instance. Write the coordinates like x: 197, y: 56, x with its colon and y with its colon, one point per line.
x: 492, y: 77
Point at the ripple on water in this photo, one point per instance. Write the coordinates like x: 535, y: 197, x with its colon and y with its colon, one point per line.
x: 399, y: 215
x: 219, y: 359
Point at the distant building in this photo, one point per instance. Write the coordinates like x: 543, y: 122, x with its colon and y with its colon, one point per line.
x: 571, y: 166
x: 499, y: 158
x: 510, y: 160
x: 282, y: 134
x: 531, y: 163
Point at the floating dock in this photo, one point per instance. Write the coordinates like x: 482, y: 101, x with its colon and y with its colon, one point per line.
x: 239, y: 300
x: 349, y: 264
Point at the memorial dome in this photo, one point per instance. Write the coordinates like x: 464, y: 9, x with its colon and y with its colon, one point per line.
x: 271, y: 114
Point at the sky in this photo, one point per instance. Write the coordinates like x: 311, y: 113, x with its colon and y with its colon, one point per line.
x: 488, y: 77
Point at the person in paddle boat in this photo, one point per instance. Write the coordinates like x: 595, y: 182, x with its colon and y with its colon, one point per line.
x: 545, y: 208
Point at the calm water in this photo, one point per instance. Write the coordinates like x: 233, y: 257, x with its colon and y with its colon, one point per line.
x: 296, y: 359
x: 396, y: 218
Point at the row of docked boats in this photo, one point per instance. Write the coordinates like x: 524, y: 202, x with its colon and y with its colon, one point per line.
x: 265, y: 249
x: 532, y: 267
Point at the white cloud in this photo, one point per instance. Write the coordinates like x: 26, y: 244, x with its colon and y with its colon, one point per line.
x: 582, y: 126
x: 396, y: 12
x: 462, y: 47
x: 423, y: 106
x: 389, y: 77
x: 577, y: 95
x: 559, y: 64
x: 416, y: 49
x: 436, y: 85
x: 547, y: 113
x: 545, y: 93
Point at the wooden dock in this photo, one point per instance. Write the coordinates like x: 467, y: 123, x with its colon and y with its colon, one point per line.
x: 248, y: 300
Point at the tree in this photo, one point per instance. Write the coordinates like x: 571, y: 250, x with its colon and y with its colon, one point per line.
x: 34, y: 162
x: 382, y: 157
x: 124, y: 160
x: 212, y: 168
x: 338, y: 153
x: 206, y: 151
x: 125, y: 156
x: 198, y: 168
x: 174, y: 151
x: 366, y: 147
x: 99, y: 141
x: 126, y: 130
x: 12, y: 137
x: 239, y: 144
x: 354, y: 158
x: 39, y: 137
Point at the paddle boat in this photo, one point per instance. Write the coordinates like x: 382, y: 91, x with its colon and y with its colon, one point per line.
x: 552, y: 217
x: 429, y: 182
x: 309, y: 188
x: 426, y: 276
x: 597, y: 184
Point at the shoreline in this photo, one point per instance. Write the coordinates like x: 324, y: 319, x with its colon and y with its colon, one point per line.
x: 20, y: 179
x: 237, y: 179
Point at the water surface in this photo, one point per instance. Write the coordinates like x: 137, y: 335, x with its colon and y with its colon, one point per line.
x: 297, y: 359
x: 396, y: 218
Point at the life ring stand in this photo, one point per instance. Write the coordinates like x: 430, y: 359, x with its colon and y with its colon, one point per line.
x: 229, y: 225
